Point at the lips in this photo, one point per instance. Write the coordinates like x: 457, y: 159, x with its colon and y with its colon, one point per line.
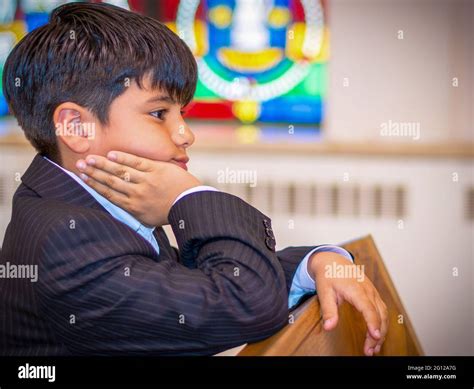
x: 182, y: 163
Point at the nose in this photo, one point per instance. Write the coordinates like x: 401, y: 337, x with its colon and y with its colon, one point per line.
x: 182, y: 135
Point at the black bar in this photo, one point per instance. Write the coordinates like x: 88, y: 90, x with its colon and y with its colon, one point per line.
x: 139, y: 371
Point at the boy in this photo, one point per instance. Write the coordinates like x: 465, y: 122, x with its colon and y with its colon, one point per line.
x: 100, y: 81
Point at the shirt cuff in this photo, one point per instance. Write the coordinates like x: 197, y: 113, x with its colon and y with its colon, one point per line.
x: 200, y: 188
x: 303, y: 283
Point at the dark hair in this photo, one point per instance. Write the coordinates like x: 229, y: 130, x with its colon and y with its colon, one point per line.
x: 84, y: 55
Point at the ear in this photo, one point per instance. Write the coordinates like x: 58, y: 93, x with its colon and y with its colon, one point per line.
x: 72, y: 126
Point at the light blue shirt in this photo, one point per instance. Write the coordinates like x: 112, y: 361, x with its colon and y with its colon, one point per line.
x: 302, y: 283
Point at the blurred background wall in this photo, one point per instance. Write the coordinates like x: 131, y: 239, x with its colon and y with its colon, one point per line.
x: 400, y: 59
x: 390, y: 154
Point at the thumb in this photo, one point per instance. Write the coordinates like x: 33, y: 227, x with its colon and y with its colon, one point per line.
x: 328, y: 303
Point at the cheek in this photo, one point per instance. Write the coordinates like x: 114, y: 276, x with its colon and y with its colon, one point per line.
x: 144, y: 140
x: 149, y: 146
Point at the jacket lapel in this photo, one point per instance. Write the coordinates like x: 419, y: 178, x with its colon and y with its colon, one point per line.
x: 51, y: 182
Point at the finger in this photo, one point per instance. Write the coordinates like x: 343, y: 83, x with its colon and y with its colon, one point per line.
x: 369, y: 344
x: 115, y: 197
x: 130, y: 160
x: 385, y: 322
x: 328, y: 302
x: 369, y: 312
x: 124, y: 172
x: 105, y: 178
x: 372, y: 317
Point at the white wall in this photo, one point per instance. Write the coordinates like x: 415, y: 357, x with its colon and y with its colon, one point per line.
x: 403, y: 80
x: 410, y: 80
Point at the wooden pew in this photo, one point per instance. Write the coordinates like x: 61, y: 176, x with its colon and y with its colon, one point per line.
x: 306, y: 336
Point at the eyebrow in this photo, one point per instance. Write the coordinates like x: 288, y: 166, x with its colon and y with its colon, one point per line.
x: 160, y: 98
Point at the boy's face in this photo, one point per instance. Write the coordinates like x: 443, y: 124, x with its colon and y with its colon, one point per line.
x: 143, y: 122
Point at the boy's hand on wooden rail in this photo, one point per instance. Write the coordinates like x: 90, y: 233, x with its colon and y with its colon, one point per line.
x: 338, y: 281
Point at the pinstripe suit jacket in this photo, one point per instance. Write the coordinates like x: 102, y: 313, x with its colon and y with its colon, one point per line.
x: 103, y: 290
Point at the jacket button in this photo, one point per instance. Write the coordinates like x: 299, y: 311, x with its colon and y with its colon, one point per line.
x: 270, y: 242
x: 266, y: 223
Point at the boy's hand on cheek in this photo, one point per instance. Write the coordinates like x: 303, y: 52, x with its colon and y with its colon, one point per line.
x: 143, y: 187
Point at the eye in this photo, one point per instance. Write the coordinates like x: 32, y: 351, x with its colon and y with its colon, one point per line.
x: 160, y: 114
x: 183, y: 112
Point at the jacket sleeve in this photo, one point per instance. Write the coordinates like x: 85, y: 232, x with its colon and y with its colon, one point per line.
x: 227, y: 289
x: 290, y: 258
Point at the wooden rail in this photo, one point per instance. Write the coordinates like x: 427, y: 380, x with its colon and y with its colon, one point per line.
x: 306, y: 336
